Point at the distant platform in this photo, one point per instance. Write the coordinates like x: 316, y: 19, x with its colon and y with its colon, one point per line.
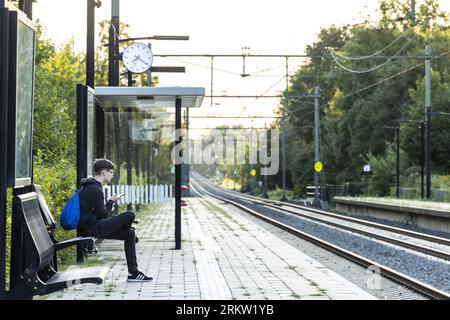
x: 433, y: 216
x: 223, y: 256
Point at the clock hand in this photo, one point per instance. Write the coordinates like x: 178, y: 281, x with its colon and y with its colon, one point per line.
x: 139, y: 58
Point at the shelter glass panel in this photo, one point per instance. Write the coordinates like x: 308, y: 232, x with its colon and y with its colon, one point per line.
x: 24, y: 100
x: 140, y: 138
x: 145, y: 141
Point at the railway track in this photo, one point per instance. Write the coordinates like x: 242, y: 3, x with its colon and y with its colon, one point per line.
x: 401, y: 278
x: 354, y: 225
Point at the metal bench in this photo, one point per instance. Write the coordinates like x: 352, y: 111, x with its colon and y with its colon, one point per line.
x: 38, y: 276
x: 51, y: 224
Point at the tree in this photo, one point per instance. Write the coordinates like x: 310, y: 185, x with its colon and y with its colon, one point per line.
x: 360, y: 95
x: 397, y: 14
x: 57, y: 73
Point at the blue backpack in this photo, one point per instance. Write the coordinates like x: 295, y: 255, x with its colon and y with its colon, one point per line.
x: 70, y: 215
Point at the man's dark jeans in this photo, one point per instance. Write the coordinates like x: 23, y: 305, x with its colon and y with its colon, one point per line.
x: 118, y: 227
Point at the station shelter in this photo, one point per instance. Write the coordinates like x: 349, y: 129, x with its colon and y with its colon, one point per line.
x: 136, y: 128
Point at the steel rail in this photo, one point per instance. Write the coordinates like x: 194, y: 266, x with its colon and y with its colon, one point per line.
x: 403, y: 279
x: 410, y: 233
x: 414, y: 234
x: 416, y: 247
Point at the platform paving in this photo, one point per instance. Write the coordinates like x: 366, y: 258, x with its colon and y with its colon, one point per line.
x: 223, y: 256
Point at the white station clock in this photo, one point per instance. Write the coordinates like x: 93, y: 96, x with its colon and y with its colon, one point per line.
x: 137, y: 57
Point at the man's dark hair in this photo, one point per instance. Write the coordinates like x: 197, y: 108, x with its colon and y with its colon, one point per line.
x: 102, y: 164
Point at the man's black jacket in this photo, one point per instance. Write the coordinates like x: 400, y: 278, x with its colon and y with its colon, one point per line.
x: 92, y: 205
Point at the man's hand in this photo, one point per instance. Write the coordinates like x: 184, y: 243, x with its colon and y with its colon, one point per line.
x: 114, y: 198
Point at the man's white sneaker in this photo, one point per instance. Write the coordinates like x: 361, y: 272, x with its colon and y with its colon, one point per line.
x: 138, y: 277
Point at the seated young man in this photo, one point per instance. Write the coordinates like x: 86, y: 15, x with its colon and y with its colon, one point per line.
x: 96, y: 220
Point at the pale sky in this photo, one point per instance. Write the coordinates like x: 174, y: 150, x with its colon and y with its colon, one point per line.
x: 267, y: 27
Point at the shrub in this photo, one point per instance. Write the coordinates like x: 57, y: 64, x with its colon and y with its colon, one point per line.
x: 58, y: 183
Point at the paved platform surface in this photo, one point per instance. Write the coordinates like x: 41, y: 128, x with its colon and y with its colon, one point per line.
x: 223, y: 256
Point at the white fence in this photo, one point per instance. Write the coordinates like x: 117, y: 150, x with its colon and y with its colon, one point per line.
x: 160, y: 193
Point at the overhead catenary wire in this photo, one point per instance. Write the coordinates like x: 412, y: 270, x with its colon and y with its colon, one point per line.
x: 264, y: 70
x: 169, y: 57
x: 345, y: 26
x: 389, y: 61
x: 256, y: 73
x: 292, y: 112
x: 301, y: 101
x: 173, y: 57
x: 381, y: 81
x: 270, y: 88
x: 287, y: 75
x: 371, y: 69
x: 373, y: 54
x: 390, y: 77
x: 310, y: 55
x: 302, y: 105
x: 203, y: 66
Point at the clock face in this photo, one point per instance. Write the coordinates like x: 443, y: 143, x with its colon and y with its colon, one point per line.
x: 137, y: 57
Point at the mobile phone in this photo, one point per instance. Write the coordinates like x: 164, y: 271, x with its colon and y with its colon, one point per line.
x: 120, y: 195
